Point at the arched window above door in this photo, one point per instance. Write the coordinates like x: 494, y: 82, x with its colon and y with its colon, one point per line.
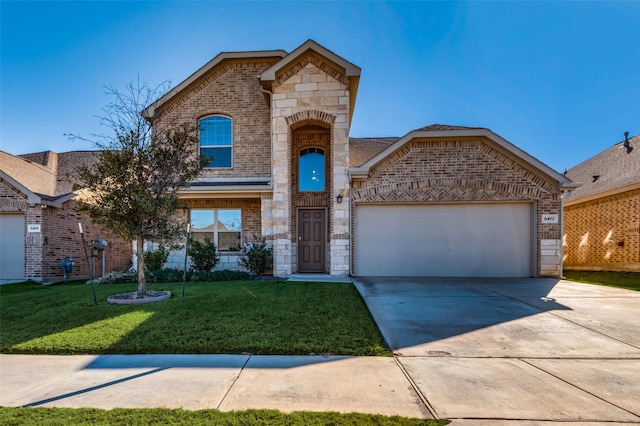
x: 311, y: 171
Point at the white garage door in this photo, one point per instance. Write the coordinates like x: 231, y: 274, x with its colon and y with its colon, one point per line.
x: 452, y: 240
x: 11, y: 247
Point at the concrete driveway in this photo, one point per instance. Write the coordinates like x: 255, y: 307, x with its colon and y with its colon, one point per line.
x: 513, y: 349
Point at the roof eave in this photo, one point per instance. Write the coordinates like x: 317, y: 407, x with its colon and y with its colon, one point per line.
x: 603, y: 194
x: 224, y: 192
x: 351, y: 70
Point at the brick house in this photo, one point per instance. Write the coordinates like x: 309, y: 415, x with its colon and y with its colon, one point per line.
x: 439, y: 201
x: 602, y: 217
x: 39, y: 221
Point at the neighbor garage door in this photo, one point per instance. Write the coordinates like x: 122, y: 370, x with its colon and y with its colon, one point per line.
x: 465, y: 240
x: 11, y: 246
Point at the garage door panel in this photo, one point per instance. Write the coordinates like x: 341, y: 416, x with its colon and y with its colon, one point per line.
x: 11, y: 247
x: 443, y: 240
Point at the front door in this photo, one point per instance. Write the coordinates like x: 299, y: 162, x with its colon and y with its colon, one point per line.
x: 312, y: 225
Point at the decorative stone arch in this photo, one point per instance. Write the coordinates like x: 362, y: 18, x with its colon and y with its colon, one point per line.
x: 310, y: 118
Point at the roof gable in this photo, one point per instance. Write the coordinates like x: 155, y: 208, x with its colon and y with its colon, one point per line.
x: 311, y: 52
x: 150, y: 111
x: 612, y: 170
x: 447, y: 131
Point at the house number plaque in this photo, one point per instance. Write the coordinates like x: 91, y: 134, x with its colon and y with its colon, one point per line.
x: 33, y: 228
x: 549, y: 218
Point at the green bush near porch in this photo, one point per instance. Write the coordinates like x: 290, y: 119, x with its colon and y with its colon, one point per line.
x: 257, y: 317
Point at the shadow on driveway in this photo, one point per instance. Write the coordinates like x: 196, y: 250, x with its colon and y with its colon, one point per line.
x: 481, y: 317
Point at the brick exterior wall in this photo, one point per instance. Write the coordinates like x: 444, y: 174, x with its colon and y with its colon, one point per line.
x: 603, y: 234
x: 60, y: 237
x: 464, y: 170
x: 231, y: 89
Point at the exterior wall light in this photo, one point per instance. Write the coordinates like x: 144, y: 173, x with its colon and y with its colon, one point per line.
x: 339, y: 198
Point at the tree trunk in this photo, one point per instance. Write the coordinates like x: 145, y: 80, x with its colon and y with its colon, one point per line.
x: 142, y: 276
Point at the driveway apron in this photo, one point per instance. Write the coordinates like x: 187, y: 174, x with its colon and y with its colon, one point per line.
x: 513, y: 349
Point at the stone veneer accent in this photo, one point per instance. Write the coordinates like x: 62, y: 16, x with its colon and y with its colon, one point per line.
x: 443, y: 170
x: 603, y: 234
x: 310, y: 91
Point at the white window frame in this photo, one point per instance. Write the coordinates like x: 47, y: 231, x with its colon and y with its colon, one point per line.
x: 216, y: 231
x: 214, y: 147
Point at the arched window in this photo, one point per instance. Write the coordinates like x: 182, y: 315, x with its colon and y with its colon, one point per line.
x: 216, y: 140
x: 311, y: 171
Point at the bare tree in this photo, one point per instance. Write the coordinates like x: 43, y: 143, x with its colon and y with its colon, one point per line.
x: 132, y: 189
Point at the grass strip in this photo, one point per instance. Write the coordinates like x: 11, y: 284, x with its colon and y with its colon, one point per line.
x: 627, y: 280
x: 163, y: 416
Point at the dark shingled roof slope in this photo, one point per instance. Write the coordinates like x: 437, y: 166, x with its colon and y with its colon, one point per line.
x: 45, y: 173
x: 362, y: 150
x: 613, y: 166
x: 437, y: 127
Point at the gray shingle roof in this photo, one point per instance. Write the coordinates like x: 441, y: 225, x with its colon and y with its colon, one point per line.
x: 613, y: 167
x: 437, y: 127
x: 362, y: 150
x: 46, y: 173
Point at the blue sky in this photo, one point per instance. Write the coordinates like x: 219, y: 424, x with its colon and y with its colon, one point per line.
x: 561, y: 80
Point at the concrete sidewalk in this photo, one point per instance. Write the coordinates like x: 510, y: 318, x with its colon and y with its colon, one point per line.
x: 226, y: 382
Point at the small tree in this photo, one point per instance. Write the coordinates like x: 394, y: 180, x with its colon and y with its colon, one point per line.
x: 203, y: 255
x: 257, y: 256
x: 132, y: 188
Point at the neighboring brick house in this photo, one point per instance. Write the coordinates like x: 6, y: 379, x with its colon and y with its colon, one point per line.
x: 602, y: 217
x: 439, y: 201
x: 39, y: 221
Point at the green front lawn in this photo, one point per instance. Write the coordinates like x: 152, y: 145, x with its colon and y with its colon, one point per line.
x: 256, y: 317
x: 628, y: 280
x: 163, y: 416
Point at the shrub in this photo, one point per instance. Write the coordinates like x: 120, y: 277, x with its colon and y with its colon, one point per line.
x: 172, y: 275
x: 257, y: 256
x: 203, y: 255
x: 155, y: 259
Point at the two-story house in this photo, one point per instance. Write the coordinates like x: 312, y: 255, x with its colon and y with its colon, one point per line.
x: 439, y: 201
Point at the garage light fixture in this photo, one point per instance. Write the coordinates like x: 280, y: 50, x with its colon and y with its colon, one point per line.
x: 339, y: 198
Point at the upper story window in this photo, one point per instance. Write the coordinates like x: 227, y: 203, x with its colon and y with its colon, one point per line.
x: 216, y: 140
x: 311, y: 173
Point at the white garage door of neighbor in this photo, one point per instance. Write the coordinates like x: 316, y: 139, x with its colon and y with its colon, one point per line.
x: 448, y: 240
x: 11, y: 247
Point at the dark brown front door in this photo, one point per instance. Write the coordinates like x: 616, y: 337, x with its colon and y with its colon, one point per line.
x: 312, y: 225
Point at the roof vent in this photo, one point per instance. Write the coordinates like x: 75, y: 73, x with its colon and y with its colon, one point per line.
x: 626, y: 143
x: 596, y: 177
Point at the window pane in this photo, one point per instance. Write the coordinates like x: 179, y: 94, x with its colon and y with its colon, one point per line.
x: 229, y: 220
x: 311, y: 170
x: 220, y: 157
x: 215, y: 131
x: 201, y: 236
x: 202, y: 220
x: 229, y: 241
